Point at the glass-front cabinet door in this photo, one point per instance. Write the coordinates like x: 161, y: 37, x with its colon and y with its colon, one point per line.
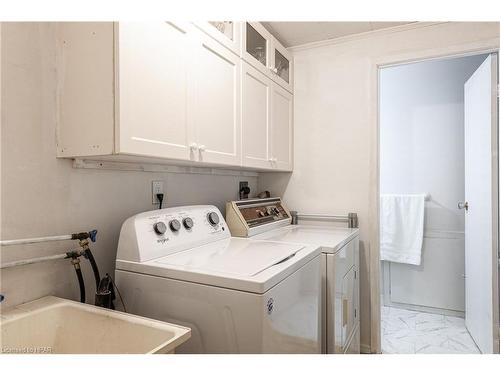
x: 281, y: 65
x: 256, y: 46
x: 228, y: 33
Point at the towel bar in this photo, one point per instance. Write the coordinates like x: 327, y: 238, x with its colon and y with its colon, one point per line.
x: 351, y: 218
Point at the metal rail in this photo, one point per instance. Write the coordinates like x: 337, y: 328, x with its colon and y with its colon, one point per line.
x: 74, y: 236
x: 25, y: 241
x: 33, y: 260
x: 82, y: 237
x: 351, y: 218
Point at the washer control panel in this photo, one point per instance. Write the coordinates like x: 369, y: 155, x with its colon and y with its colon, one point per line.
x: 158, y: 233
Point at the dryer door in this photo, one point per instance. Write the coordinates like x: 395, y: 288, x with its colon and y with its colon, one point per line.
x: 291, y: 312
x: 348, y: 306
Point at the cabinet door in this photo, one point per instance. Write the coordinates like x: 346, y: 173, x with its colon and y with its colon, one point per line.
x: 281, y: 65
x: 216, y: 103
x: 281, y: 129
x: 356, y: 280
x: 256, y: 117
x: 256, y: 46
x: 154, y: 84
x: 348, y: 306
x: 228, y: 33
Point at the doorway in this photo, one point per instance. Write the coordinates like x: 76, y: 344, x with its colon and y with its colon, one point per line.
x: 436, y: 147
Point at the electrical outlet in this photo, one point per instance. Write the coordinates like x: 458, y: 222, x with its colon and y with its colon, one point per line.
x: 244, y: 190
x: 157, y: 188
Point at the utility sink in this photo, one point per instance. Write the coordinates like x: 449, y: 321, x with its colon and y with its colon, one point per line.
x: 56, y: 325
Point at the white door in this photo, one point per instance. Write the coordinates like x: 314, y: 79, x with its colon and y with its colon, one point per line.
x: 479, y: 174
x: 281, y: 128
x: 255, y: 117
x: 154, y: 83
x: 216, y: 103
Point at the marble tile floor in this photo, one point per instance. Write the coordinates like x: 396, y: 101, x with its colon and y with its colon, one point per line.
x: 413, y: 332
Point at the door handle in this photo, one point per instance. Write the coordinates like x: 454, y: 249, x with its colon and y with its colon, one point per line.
x: 463, y: 205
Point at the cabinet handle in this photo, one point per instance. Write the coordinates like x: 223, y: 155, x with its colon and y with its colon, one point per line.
x: 202, y: 148
x: 193, y: 146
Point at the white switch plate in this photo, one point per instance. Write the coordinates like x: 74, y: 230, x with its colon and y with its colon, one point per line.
x: 157, y: 188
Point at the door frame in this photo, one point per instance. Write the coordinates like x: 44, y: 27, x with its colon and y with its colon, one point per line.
x: 477, y: 48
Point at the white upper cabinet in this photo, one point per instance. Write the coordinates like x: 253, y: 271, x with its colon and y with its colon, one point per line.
x: 281, y: 137
x: 265, y: 53
x: 216, y: 103
x: 256, y: 46
x: 281, y: 65
x: 267, y: 122
x: 228, y: 33
x: 255, y: 117
x: 213, y: 93
x: 154, y: 87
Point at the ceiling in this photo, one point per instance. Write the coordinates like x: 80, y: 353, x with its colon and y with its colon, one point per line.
x: 296, y: 33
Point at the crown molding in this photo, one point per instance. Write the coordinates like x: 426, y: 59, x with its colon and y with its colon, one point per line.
x: 364, y: 35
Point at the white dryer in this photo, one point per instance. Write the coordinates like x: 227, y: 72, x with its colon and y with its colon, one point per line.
x: 237, y: 295
x: 269, y: 219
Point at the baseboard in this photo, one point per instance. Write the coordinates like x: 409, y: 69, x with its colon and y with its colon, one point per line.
x: 426, y: 309
x: 365, y: 349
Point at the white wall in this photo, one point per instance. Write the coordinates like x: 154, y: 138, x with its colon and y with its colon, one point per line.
x: 422, y: 151
x: 335, y: 136
x: 42, y: 195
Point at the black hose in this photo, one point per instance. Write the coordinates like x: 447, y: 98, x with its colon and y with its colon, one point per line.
x: 95, y: 269
x: 80, y: 282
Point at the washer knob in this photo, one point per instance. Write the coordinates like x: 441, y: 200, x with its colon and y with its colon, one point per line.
x: 188, y: 223
x: 174, y: 225
x: 213, y: 218
x: 160, y: 227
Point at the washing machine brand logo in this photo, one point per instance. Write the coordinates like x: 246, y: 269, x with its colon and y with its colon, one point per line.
x: 162, y: 240
x: 270, y: 306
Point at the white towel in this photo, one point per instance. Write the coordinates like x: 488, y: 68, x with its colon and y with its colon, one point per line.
x: 401, y: 227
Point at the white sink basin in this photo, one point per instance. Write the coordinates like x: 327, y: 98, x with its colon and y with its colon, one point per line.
x: 56, y: 325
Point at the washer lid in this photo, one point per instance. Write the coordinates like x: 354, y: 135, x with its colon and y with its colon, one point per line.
x: 233, y: 256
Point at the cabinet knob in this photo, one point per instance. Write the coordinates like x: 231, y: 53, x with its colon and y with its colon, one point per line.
x: 202, y: 148
x: 274, y: 70
x: 273, y: 160
x: 193, y: 146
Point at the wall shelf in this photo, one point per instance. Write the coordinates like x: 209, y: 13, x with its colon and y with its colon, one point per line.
x: 161, y: 168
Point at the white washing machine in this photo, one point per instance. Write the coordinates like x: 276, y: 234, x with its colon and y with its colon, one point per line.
x: 237, y: 295
x: 269, y: 219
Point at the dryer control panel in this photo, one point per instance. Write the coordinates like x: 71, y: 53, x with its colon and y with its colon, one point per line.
x: 159, y: 233
x: 251, y: 216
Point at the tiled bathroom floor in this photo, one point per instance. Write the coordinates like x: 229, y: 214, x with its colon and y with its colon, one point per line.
x: 408, y: 332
